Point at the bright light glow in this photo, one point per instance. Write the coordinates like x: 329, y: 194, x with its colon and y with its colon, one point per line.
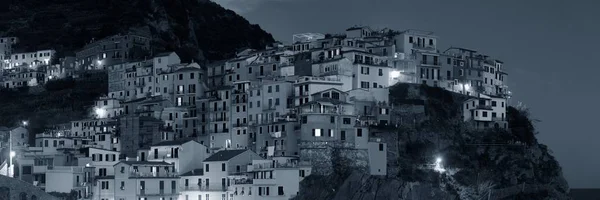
x: 394, y: 74
x: 99, y: 62
x: 25, y: 123
x: 12, y: 154
x: 438, y: 165
x: 50, y: 77
x: 100, y: 112
x: 87, y: 165
x: 467, y: 87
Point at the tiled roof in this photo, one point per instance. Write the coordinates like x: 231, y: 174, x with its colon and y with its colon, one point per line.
x: 224, y: 155
x: 172, y: 143
x: 195, y: 172
x: 185, y: 69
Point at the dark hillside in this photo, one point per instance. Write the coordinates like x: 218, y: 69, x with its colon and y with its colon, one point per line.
x: 195, y: 29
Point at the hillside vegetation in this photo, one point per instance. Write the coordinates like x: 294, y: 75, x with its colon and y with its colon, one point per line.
x: 59, y: 102
x: 480, y: 164
x: 196, y: 29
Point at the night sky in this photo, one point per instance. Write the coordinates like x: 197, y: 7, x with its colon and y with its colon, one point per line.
x: 549, y: 48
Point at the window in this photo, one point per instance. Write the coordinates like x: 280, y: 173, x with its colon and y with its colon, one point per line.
x: 359, y: 132
x: 380, y: 147
x: 364, y: 84
x: 347, y: 121
x: 484, y: 113
x: 380, y: 72
x: 280, y: 191
x: 494, y: 103
x: 191, y: 75
x: 332, y: 119
x: 206, y: 168
x: 317, y: 132
x: 222, y: 166
x: 276, y: 88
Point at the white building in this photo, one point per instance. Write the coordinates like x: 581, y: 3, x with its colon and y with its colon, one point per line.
x: 144, y: 180
x: 31, y: 59
x: 70, y: 178
x: 219, y: 169
x: 486, y: 112
x: 185, y: 155
x: 276, y: 178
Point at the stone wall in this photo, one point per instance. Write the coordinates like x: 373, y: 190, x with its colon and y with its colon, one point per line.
x: 323, y: 156
x: 11, y: 188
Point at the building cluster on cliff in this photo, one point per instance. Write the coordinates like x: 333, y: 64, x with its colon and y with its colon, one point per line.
x: 251, y: 127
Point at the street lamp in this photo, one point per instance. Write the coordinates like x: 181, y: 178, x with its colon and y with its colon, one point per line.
x: 438, y: 165
x: 25, y: 123
x: 100, y: 112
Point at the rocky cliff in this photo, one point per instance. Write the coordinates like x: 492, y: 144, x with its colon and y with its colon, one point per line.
x: 197, y: 29
x: 479, y: 164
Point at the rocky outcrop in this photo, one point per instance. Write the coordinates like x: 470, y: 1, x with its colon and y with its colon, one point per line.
x: 479, y: 164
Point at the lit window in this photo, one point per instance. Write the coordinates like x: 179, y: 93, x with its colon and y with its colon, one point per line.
x: 317, y: 132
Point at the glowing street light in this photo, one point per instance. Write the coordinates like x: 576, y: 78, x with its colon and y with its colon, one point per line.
x: 467, y: 87
x: 25, y: 123
x: 438, y: 165
x: 13, y: 154
x: 100, y: 112
x: 394, y: 74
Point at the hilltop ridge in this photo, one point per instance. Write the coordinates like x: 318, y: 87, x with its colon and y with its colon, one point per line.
x: 199, y: 30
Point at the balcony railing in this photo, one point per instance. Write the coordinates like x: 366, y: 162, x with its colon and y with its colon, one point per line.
x: 204, y: 188
x: 423, y: 47
x: 275, y: 165
x: 242, y: 181
x: 268, y: 108
x: 240, y: 125
x: 153, y: 175
x: 154, y: 193
x: 221, y: 119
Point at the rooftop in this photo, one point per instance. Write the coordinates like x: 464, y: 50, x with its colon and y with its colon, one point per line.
x: 173, y: 143
x: 195, y: 172
x: 224, y: 155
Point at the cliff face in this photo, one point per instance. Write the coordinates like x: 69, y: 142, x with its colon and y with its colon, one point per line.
x: 480, y: 164
x: 197, y: 29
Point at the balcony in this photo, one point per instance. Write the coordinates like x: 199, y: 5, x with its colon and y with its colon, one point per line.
x: 268, y: 108
x: 204, y: 188
x: 484, y: 107
x: 154, y: 193
x: 69, y: 169
x: 220, y: 119
x: 236, y: 91
x: 153, y: 175
x: 276, y: 165
x: 423, y: 47
x: 236, y: 125
x: 242, y: 181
